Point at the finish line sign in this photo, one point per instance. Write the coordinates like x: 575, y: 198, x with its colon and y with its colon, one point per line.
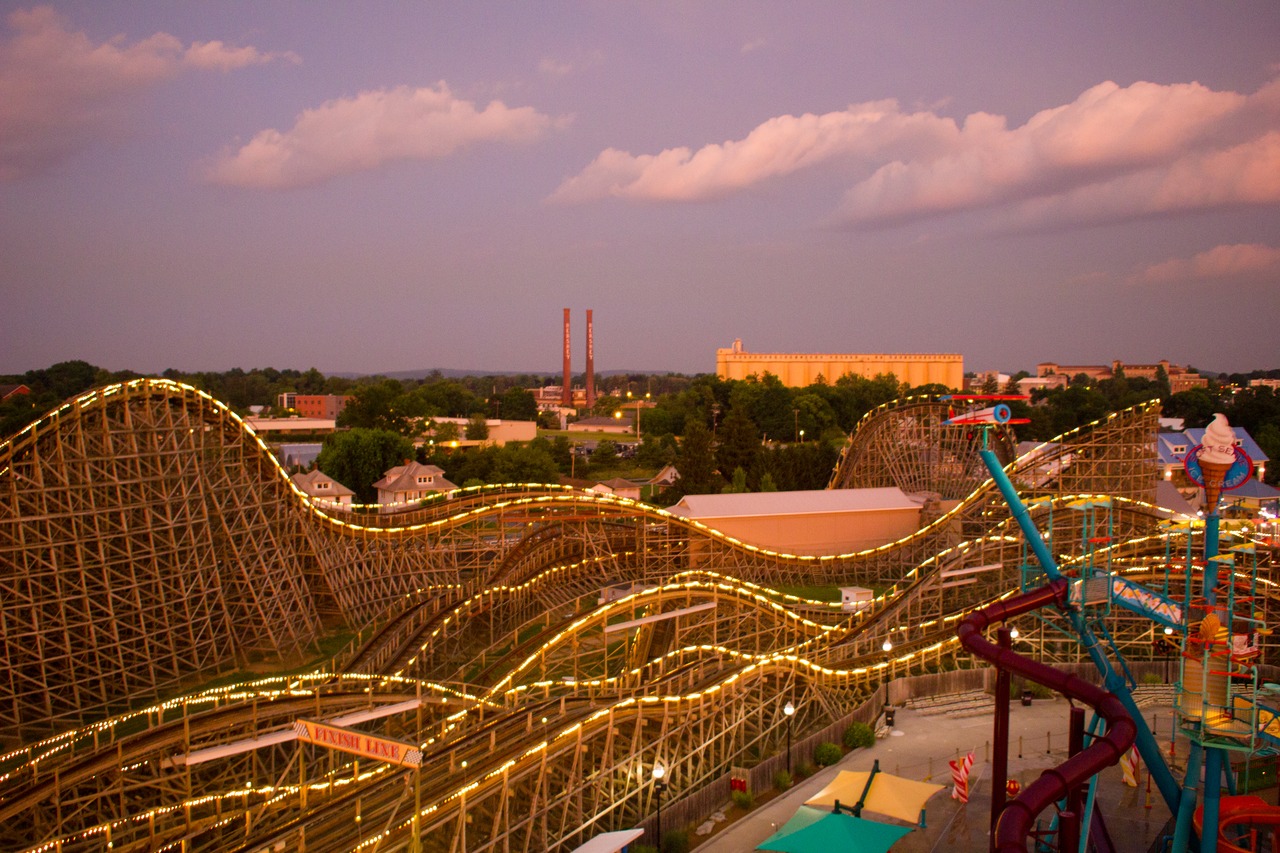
x: 358, y: 743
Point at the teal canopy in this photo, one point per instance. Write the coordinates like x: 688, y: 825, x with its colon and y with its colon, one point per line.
x: 814, y: 830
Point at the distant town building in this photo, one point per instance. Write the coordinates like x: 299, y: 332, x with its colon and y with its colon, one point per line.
x: 500, y: 431
x: 797, y: 370
x: 1265, y: 383
x: 321, y: 487
x: 9, y: 391
x: 314, y: 405
x: 410, y: 482
x: 621, y: 426
x: 1180, y: 379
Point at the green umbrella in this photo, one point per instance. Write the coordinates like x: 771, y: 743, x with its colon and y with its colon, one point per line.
x: 820, y: 831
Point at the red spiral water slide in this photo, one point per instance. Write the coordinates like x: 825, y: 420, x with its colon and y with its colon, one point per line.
x: 1018, y: 818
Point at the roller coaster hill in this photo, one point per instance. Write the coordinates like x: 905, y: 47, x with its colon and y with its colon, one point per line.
x: 493, y: 696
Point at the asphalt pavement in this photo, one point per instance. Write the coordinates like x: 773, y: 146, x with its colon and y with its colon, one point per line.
x: 919, y: 748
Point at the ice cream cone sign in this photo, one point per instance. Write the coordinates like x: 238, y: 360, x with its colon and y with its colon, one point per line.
x: 1217, y: 463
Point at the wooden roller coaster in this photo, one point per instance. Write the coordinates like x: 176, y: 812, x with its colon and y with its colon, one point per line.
x: 149, y: 543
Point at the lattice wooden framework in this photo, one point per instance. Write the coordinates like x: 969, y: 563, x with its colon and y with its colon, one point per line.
x: 490, y: 622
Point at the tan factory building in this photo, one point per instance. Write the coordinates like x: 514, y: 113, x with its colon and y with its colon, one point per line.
x: 797, y: 370
x: 822, y: 521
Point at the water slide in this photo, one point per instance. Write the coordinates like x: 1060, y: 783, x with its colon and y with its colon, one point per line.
x: 1018, y: 818
x: 1244, y: 818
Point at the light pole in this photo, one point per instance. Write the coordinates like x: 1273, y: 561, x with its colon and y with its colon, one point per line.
x: 659, y: 785
x: 796, y: 412
x: 1168, y: 632
x: 888, y: 647
x: 790, y: 711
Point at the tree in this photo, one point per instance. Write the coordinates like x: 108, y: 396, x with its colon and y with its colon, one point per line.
x: 696, y: 463
x: 477, y: 428
x: 606, y: 454
x: 737, y: 443
x: 519, y: 405
x: 738, y: 485
x: 375, y: 406
x: 358, y: 458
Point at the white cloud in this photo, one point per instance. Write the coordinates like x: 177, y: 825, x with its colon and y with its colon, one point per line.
x: 1112, y: 152
x: 753, y: 45
x: 356, y: 134
x: 1241, y: 260
x: 775, y: 148
x: 59, y: 90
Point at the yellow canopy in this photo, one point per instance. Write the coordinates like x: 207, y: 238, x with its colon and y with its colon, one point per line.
x: 890, y: 795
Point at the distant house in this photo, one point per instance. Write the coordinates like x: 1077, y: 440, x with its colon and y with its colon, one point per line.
x: 321, y: 487
x: 665, y: 478
x: 10, y: 391
x: 411, y: 482
x: 619, y: 487
x: 621, y: 426
x: 324, y: 406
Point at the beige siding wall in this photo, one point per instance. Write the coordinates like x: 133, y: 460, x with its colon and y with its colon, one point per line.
x: 821, y: 533
x: 797, y: 370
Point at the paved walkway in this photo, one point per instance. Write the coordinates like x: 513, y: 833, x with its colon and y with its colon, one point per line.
x: 919, y: 748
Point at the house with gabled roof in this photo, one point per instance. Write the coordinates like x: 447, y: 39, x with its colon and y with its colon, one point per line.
x: 319, y: 486
x: 619, y: 486
x: 411, y: 482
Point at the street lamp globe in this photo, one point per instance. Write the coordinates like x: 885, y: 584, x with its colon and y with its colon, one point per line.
x: 789, y: 709
x: 659, y: 771
x: 888, y: 646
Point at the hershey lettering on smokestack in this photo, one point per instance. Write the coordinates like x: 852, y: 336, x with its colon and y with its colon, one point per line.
x: 566, y: 392
x: 591, y: 363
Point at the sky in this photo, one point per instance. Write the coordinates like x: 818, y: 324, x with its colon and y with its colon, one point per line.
x: 387, y: 186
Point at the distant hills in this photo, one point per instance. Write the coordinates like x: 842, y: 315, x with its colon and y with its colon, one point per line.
x: 453, y: 373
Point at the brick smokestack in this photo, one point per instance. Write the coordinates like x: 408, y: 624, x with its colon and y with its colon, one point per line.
x: 566, y: 393
x: 591, y: 363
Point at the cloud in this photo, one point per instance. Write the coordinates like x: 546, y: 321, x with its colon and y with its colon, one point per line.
x: 349, y: 135
x: 753, y: 45
x: 1242, y: 260
x: 59, y: 90
x: 551, y: 67
x: 1112, y: 152
x: 776, y: 148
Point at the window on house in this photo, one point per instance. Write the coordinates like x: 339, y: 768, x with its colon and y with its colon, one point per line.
x: 1179, y: 448
x: 320, y: 486
x: 425, y: 480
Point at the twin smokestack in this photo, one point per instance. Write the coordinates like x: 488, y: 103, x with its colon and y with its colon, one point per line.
x: 566, y: 393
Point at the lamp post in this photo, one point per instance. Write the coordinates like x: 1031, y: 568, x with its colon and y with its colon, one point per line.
x: 659, y: 785
x: 1168, y: 632
x: 796, y: 412
x: 790, y: 711
x: 887, y: 646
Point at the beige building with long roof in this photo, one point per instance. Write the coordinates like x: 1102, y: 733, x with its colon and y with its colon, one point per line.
x: 821, y: 521
x: 796, y: 370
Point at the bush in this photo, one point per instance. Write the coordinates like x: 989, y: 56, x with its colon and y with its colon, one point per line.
x: 859, y: 736
x: 805, y: 769
x: 1039, y: 690
x: 742, y: 799
x: 676, y: 841
x: 1151, y: 678
x: 782, y: 780
x: 827, y: 754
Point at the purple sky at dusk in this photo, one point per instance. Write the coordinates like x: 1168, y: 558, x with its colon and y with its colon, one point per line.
x: 386, y: 186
